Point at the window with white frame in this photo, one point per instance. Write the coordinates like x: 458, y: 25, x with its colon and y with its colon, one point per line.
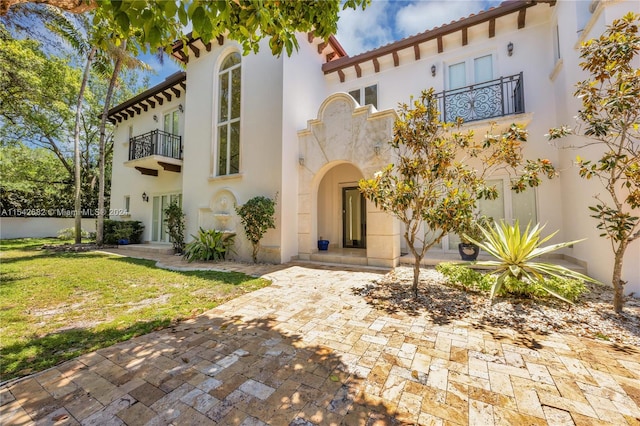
x: 510, y: 205
x: 171, y: 122
x: 127, y: 203
x: 366, y: 95
x: 228, y: 129
x: 471, y: 71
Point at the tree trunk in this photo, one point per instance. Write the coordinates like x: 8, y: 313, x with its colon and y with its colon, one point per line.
x: 416, y: 275
x: 103, y: 136
x: 618, y: 284
x: 76, y: 150
x: 256, y: 247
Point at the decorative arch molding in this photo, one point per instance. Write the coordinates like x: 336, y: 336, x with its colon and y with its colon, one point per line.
x: 344, y: 132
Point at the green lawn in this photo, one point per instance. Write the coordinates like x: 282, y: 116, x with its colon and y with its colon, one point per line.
x: 56, y: 306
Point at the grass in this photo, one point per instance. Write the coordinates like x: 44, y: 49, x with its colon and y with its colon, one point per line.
x: 56, y: 306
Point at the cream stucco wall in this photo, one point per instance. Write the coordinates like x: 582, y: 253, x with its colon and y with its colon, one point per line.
x: 260, y: 144
x: 127, y: 181
x: 577, y: 194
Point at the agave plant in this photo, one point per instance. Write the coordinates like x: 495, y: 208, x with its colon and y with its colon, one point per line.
x: 515, y: 252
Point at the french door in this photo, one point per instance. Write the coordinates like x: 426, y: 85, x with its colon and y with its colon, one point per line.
x: 354, y: 217
x: 159, y: 232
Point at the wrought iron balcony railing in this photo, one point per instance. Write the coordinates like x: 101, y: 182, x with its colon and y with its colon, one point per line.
x: 495, y: 98
x: 155, y: 142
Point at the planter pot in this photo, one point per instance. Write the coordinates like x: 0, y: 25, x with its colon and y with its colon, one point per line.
x: 468, y: 251
x: 323, y: 244
x: 123, y: 241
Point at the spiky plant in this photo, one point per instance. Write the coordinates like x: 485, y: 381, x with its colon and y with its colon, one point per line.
x: 516, y: 252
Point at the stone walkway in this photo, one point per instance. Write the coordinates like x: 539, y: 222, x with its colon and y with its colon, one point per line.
x: 308, y: 350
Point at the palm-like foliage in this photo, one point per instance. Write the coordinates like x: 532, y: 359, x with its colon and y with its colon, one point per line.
x: 515, y: 252
x: 209, y: 245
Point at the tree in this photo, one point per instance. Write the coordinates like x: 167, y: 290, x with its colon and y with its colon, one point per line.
x: 156, y: 24
x: 432, y: 188
x: 38, y: 93
x: 174, y: 218
x: 610, y: 115
x: 33, y: 179
x: 75, y: 37
x: 257, y: 217
x: 123, y: 56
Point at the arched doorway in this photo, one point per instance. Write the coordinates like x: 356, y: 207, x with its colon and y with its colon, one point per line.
x: 344, y: 144
x: 342, y: 211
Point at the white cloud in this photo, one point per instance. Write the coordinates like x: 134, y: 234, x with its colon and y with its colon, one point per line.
x: 421, y: 16
x: 385, y: 21
x: 359, y: 31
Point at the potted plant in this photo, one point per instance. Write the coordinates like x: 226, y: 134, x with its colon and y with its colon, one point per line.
x: 471, y: 231
x: 323, y: 244
x: 123, y: 234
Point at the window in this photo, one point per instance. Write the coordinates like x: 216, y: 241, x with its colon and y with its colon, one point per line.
x: 556, y: 43
x: 130, y: 132
x: 127, y: 203
x: 171, y: 122
x: 510, y: 205
x: 477, y: 70
x: 367, y: 94
x: 228, y: 148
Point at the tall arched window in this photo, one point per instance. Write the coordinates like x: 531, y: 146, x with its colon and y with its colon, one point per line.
x: 229, y: 116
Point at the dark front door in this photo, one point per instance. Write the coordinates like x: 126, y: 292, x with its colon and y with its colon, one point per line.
x: 354, y: 216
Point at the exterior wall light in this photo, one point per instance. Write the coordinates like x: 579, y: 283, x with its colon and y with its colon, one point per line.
x: 155, y: 118
x: 510, y: 49
x: 377, y: 148
x: 145, y: 197
x: 433, y: 70
x: 301, y: 160
x: 180, y: 108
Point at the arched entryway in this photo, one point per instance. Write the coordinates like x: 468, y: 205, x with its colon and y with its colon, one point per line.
x: 344, y: 144
x: 342, y: 211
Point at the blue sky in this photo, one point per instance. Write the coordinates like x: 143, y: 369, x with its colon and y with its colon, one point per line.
x: 383, y: 22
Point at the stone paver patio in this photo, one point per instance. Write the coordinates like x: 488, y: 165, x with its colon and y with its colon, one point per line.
x: 308, y: 350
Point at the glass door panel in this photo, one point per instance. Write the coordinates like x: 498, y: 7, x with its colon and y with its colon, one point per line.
x: 354, y: 218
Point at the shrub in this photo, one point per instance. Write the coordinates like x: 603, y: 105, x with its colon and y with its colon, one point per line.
x: 466, y: 277
x: 470, y: 279
x: 174, y: 218
x: 70, y: 233
x: 209, y: 245
x: 516, y: 267
x: 257, y: 217
x: 116, y: 229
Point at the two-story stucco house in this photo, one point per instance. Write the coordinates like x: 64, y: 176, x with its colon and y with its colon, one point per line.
x: 307, y: 127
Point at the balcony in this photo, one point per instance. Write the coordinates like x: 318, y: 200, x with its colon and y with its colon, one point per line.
x: 490, y: 99
x: 152, y: 150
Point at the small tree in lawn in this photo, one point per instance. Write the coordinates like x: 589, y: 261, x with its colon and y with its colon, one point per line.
x: 431, y: 186
x: 257, y: 217
x: 610, y: 115
x: 174, y: 219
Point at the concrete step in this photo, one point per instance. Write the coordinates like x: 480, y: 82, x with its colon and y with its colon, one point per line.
x: 340, y: 258
x: 146, y: 248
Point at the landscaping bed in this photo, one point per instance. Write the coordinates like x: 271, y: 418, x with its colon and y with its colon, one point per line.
x: 591, y: 316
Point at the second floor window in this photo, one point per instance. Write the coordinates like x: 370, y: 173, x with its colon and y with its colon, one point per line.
x: 366, y: 95
x: 171, y: 123
x: 228, y: 148
x: 472, y: 71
